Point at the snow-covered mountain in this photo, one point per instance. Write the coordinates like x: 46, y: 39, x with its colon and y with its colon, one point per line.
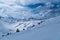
x: 22, y: 16
x: 49, y: 30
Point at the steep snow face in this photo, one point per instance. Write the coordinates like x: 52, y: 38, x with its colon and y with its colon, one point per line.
x: 22, y: 14
x: 49, y: 30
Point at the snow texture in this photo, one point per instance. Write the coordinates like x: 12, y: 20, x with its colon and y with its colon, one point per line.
x: 35, y: 19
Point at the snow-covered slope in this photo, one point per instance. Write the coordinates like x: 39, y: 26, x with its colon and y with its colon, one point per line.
x: 25, y: 15
x: 11, y: 24
x: 49, y: 30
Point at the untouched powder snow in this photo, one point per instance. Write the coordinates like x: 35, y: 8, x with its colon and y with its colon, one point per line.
x: 49, y: 30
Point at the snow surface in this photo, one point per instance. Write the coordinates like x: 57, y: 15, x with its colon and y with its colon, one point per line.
x: 29, y: 16
x: 49, y: 30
